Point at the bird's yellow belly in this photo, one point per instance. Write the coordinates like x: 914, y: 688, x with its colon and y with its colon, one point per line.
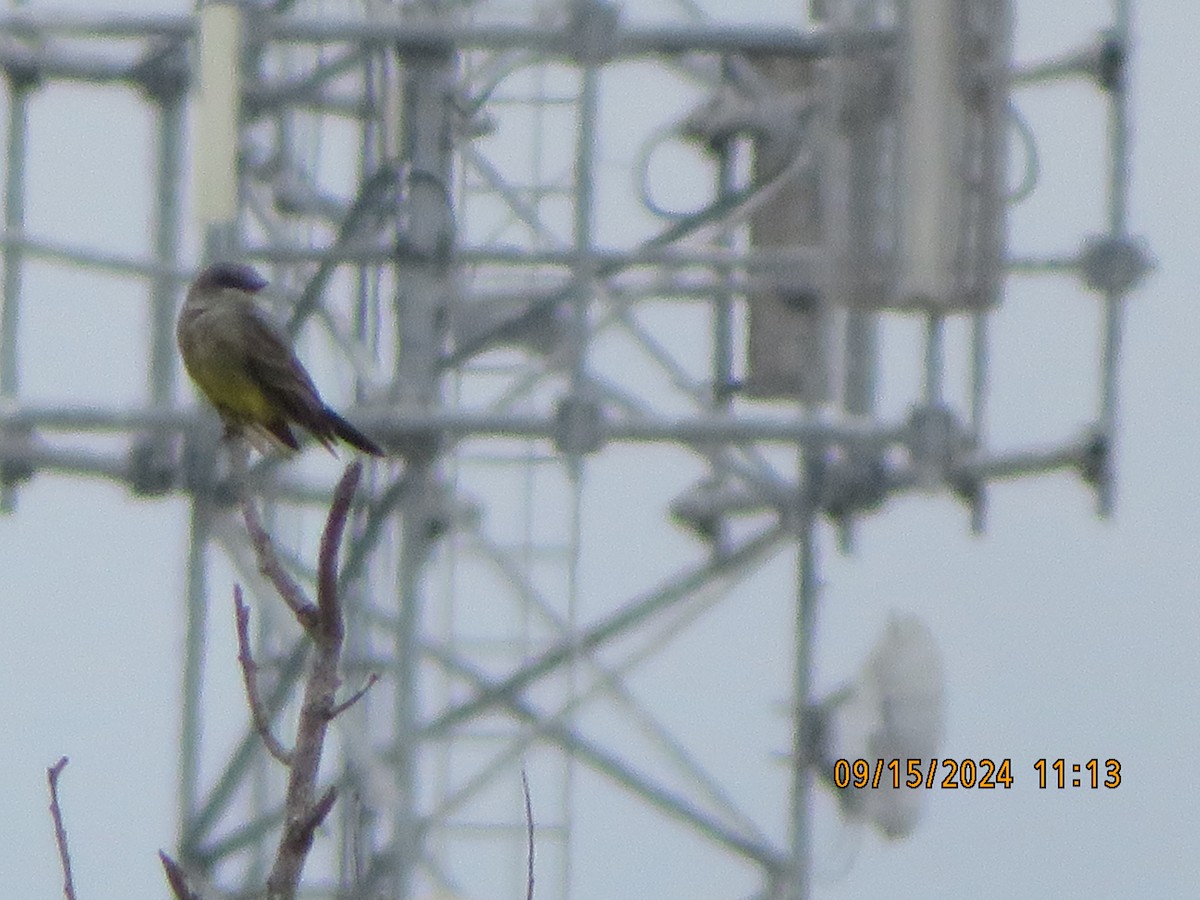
x: 232, y: 392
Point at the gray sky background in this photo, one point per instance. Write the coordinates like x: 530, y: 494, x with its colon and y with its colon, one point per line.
x: 1063, y: 636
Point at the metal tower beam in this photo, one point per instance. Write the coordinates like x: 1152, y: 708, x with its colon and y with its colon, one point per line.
x: 427, y: 34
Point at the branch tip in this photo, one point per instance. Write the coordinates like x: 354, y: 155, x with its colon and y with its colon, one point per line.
x: 372, y: 680
x: 176, y: 878
x: 331, y: 539
x: 60, y: 831
x: 529, y: 834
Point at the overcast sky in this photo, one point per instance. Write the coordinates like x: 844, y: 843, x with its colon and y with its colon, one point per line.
x: 1063, y: 635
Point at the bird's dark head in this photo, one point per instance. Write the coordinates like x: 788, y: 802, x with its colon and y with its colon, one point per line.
x: 229, y: 276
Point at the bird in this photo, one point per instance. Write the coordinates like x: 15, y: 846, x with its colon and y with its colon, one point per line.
x: 244, y: 364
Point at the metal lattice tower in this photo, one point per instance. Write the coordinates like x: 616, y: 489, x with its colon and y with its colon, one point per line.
x: 425, y: 185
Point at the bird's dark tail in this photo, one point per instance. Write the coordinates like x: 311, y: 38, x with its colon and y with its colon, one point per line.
x: 351, y: 435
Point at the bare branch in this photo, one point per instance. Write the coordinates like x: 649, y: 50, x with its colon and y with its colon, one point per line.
x: 262, y: 722
x: 372, y: 680
x: 302, y: 813
x: 331, y: 539
x: 271, y: 566
x: 177, y: 879
x: 529, y: 834
x: 60, y: 831
x: 320, y: 810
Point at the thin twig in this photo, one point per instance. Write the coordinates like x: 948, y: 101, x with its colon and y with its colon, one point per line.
x: 60, y: 831
x: 271, y: 566
x: 177, y: 879
x: 320, y: 810
x: 372, y: 680
x: 262, y: 722
x: 529, y: 833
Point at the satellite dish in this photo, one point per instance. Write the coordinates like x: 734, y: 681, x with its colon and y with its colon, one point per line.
x: 894, y: 710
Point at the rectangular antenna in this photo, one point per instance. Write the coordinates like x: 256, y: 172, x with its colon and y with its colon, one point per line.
x: 218, y: 116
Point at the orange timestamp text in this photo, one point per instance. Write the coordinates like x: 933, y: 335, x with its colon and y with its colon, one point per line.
x: 979, y: 774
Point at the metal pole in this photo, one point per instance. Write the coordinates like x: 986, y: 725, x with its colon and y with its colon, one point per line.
x: 584, y: 277
x: 14, y: 220
x: 1118, y: 190
x: 167, y: 223
x: 190, y: 726
x: 723, y: 306
x: 424, y: 36
x: 723, y: 323
x: 935, y: 328
x: 421, y: 281
x: 979, y: 374
x: 803, y: 756
x: 413, y: 555
x: 152, y: 463
x: 584, y: 264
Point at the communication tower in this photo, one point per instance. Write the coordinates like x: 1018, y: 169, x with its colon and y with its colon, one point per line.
x: 432, y: 191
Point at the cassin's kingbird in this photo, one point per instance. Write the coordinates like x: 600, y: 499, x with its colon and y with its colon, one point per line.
x: 246, y: 368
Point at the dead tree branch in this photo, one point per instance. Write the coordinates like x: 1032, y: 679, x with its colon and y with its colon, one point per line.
x: 60, y: 831
x: 262, y: 722
x: 303, y: 811
x: 529, y: 835
x: 271, y: 566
